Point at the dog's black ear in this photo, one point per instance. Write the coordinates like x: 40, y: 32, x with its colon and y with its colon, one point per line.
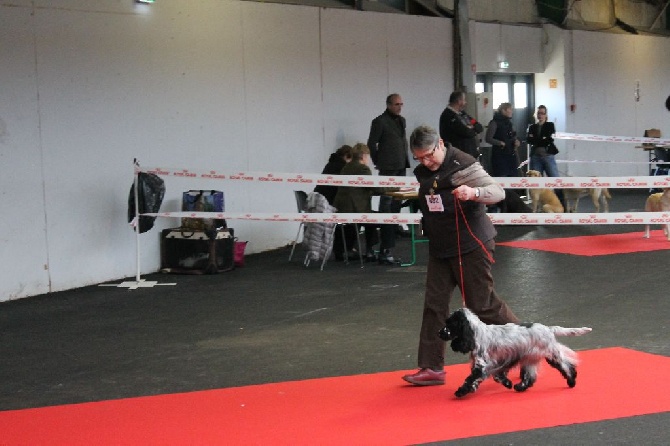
x: 464, y: 341
x: 468, y: 338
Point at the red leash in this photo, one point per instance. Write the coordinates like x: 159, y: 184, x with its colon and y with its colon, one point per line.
x: 459, y: 211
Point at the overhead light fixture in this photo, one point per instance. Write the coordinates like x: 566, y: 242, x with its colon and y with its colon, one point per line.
x: 503, y: 64
x: 144, y: 1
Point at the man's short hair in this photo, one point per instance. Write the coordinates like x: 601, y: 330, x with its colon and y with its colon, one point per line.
x: 390, y: 98
x: 455, y: 96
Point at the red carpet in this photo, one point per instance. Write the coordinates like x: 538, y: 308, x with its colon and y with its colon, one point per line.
x: 597, y: 245
x: 364, y: 409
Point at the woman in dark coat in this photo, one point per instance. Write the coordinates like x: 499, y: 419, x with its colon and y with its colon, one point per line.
x: 336, y: 162
x: 503, y: 140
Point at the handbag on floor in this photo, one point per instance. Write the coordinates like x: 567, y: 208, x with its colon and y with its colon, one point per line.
x: 238, y: 252
x: 202, y: 201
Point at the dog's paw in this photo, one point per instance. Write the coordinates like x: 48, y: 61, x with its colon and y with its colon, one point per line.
x: 503, y: 379
x: 520, y: 387
x: 572, y: 378
x: 462, y: 391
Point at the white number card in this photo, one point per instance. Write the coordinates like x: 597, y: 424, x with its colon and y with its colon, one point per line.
x: 434, y: 203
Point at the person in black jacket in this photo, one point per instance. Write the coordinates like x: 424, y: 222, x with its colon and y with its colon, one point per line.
x: 336, y: 162
x: 458, y: 128
x: 504, y: 142
x: 454, y: 190
x: 542, y: 148
x: 388, y: 150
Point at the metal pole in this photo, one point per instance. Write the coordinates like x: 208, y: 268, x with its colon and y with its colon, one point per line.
x: 136, y: 169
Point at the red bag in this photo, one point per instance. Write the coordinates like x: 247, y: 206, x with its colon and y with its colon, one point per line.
x: 238, y: 252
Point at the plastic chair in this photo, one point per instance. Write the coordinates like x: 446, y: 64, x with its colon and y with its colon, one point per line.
x: 301, y: 202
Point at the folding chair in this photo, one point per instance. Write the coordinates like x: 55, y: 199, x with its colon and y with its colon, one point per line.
x: 301, y: 202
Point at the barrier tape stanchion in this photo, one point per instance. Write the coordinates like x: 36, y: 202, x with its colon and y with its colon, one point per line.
x: 135, y: 224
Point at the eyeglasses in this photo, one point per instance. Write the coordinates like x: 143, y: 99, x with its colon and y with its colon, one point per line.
x: 398, y: 103
x: 428, y: 155
x: 541, y: 113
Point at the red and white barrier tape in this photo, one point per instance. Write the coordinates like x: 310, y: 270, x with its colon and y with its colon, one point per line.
x: 614, y: 218
x: 297, y: 179
x: 614, y: 139
x: 409, y: 182
x: 646, y: 182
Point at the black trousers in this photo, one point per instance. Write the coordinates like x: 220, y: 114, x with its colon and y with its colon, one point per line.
x: 389, y: 205
x: 371, y: 237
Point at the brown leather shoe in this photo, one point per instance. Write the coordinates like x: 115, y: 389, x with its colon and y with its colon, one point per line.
x: 426, y: 377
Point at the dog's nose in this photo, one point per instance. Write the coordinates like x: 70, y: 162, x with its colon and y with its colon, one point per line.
x: 445, y: 334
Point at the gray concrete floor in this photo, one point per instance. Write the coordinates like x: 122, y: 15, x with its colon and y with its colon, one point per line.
x: 274, y: 321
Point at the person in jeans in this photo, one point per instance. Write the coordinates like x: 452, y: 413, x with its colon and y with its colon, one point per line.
x: 542, y: 148
x: 452, y: 184
x: 541, y: 141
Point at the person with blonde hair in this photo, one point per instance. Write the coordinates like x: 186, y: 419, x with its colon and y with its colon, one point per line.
x: 359, y: 199
x: 542, y: 148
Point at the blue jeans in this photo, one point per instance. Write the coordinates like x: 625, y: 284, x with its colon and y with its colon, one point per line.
x: 546, y: 164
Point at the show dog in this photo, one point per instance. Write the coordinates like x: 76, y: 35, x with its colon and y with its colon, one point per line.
x: 495, y: 349
x: 544, y: 199
x: 598, y: 195
x: 659, y: 202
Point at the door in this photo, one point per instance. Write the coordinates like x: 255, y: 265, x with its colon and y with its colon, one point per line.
x: 517, y: 89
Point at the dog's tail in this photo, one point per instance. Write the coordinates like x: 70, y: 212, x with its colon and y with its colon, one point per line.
x: 563, y: 331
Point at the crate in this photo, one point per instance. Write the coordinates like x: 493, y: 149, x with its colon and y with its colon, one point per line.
x: 193, y: 252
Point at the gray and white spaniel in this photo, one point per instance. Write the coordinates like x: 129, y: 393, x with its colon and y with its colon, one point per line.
x: 495, y: 349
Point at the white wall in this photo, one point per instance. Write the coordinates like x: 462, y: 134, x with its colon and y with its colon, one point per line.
x: 519, y: 45
x: 604, y: 74
x: 23, y: 237
x: 224, y: 85
x: 550, y: 85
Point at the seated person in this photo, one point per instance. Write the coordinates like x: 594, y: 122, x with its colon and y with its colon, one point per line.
x: 359, y: 199
x: 336, y: 162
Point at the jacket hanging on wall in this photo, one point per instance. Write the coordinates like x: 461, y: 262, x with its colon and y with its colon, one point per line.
x: 151, y: 190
